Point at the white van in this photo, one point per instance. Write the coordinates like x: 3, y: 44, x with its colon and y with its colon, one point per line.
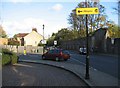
x: 82, y: 50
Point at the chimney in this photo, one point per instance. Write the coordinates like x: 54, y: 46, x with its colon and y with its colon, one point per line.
x: 34, y: 29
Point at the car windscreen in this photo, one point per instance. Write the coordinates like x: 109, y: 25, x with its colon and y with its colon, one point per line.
x: 54, y: 51
x: 65, y: 52
x: 51, y: 52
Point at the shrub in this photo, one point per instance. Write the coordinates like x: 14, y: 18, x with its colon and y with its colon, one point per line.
x: 8, y: 57
x: 14, y: 58
x: 40, y: 44
x: 6, y: 51
x: 5, y: 59
x: 13, y: 42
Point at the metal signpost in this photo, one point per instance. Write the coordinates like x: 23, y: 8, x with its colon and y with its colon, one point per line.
x: 85, y: 11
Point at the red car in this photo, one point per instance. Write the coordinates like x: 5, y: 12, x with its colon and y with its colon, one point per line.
x: 56, y: 54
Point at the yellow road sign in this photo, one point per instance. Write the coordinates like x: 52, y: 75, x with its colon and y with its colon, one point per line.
x: 82, y: 11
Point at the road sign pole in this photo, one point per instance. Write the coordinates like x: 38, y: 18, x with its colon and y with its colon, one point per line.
x: 86, y: 11
x: 87, y: 47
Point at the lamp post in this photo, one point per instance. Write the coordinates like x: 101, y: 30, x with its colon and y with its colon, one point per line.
x: 87, y: 47
x: 43, y: 37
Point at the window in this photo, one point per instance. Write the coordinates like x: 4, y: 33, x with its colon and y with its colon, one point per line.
x: 51, y: 52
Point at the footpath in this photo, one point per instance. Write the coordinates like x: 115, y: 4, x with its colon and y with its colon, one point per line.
x: 97, y: 78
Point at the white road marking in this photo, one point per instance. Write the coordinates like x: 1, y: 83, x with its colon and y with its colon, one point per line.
x: 15, y: 69
x: 84, y: 64
x: 79, y: 61
x: 22, y: 65
x: 22, y: 84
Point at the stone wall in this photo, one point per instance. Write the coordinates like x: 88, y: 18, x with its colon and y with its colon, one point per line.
x: 75, y: 44
x: 105, y: 45
x: 98, y: 42
x: 20, y: 49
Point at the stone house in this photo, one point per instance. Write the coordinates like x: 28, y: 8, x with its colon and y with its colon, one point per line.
x: 29, y: 39
x: 98, y: 39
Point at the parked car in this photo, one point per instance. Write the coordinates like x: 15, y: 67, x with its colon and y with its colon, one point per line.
x: 56, y: 54
x: 50, y: 48
x: 82, y: 50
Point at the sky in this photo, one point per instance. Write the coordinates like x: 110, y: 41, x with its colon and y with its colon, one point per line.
x: 20, y: 16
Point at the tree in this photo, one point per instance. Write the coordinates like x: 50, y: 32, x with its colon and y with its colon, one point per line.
x: 113, y: 30
x: 2, y: 32
x: 15, y: 36
x: 40, y: 44
x: 50, y: 41
x: 94, y: 21
x: 12, y: 41
x: 62, y: 35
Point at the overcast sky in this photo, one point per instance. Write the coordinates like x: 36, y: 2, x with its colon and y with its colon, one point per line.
x: 20, y: 16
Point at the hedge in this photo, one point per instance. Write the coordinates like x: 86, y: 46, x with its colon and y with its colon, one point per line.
x: 8, y: 57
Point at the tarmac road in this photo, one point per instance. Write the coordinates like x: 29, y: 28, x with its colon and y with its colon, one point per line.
x: 104, y: 63
x: 30, y: 74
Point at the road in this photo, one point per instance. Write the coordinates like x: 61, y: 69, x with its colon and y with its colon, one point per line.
x: 29, y: 74
x: 104, y: 63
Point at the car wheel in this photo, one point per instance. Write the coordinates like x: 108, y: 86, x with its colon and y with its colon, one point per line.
x: 57, y: 59
x: 43, y: 57
x: 65, y: 59
x: 62, y: 59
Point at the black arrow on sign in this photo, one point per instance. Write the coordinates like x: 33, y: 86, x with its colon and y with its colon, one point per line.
x: 79, y: 11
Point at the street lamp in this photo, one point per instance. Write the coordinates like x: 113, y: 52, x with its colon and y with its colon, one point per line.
x: 43, y: 37
x: 43, y: 31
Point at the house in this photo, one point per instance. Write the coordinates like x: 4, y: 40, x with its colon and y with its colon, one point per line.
x: 20, y: 38
x: 98, y: 39
x: 29, y: 39
x: 3, y: 41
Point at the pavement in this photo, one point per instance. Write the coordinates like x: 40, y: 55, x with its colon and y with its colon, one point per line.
x: 97, y: 78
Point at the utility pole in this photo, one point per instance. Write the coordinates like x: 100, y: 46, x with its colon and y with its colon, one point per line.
x: 87, y: 47
x: 43, y: 38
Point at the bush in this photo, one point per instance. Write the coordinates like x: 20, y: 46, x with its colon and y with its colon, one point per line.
x: 5, y: 59
x: 13, y: 42
x: 8, y: 57
x: 40, y: 44
x: 6, y: 51
x: 14, y: 58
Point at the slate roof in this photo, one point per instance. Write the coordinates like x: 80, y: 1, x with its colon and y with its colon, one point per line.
x: 22, y: 34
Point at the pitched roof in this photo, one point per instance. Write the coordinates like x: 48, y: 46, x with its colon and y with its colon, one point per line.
x: 22, y: 34
x: 102, y: 30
